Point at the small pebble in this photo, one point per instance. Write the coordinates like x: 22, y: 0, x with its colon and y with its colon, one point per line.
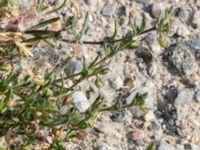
x: 194, y: 147
x: 196, y: 19
x: 108, y: 10
x: 72, y: 67
x: 155, y: 126
x: 88, y: 2
x: 194, y: 44
x: 197, y: 96
x: 80, y: 101
x: 184, y: 96
x: 140, y: 142
x: 136, y: 112
x: 117, y: 116
x: 138, y: 135
x: 165, y: 146
x: 179, y: 147
x: 104, y: 146
x: 149, y: 116
x: 152, y: 70
x: 158, y: 9
x: 145, y: 2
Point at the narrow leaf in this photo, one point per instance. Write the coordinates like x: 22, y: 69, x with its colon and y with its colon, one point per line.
x: 45, y: 23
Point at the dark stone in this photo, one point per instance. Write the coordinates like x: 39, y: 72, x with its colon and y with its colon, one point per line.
x: 117, y: 116
x: 180, y: 58
x: 155, y: 126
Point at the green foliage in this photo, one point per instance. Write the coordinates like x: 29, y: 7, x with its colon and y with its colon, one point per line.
x: 164, y: 24
x: 5, y: 67
x: 78, y: 37
x: 138, y: 100
x: 57, y: 145
x: 138, y: 29
x: 25, y: 102
x: 152, y: 147
x: 4, y: 3
x: 45, y: 23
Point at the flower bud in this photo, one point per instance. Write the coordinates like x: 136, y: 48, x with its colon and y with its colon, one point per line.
x: 41, y: 137
x: 5, y: 67
x: 38, y: 114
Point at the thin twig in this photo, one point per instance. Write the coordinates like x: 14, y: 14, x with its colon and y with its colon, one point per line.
x: 103, y: 41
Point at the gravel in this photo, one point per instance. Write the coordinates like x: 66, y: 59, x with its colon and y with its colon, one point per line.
x: 72, y: 67
x: 165, y: 146
x: 185, y: 96
x: 196, y: 19
x: 104, y: 146
x: 194, y: 44
x: 181, y: 58
x: 138, y: 135
x: 146, y: 2
x: 149, y: 116
x: 173, y: 106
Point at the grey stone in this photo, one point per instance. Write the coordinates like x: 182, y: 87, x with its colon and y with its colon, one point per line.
x: 185, y: 15
x: 140, y: 142
x: 136, y: 112
x: 182, y: 30
x: 149, y: 102
x: 191, y: 146
x: 108, y: 10
x: 179, y: 147
x: 158, y: 9
x: 185, y: 96
x: 194, y: 44
x: 105, y: 146
x: 197, y: 96
x: 117, y: 116
x: 116, y: 82
x: 72, y: 67
x: 80, y: 101
x: 181, y: 58
x: 152, y: 69
x: 194, y: 147
x: 196, y: 19
x: 125, y: 10
x: 146, y: 2
x: 165, y: 146
x: 155, y: 125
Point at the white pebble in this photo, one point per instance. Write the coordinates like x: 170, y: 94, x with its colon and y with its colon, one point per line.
x: 80, y: 101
